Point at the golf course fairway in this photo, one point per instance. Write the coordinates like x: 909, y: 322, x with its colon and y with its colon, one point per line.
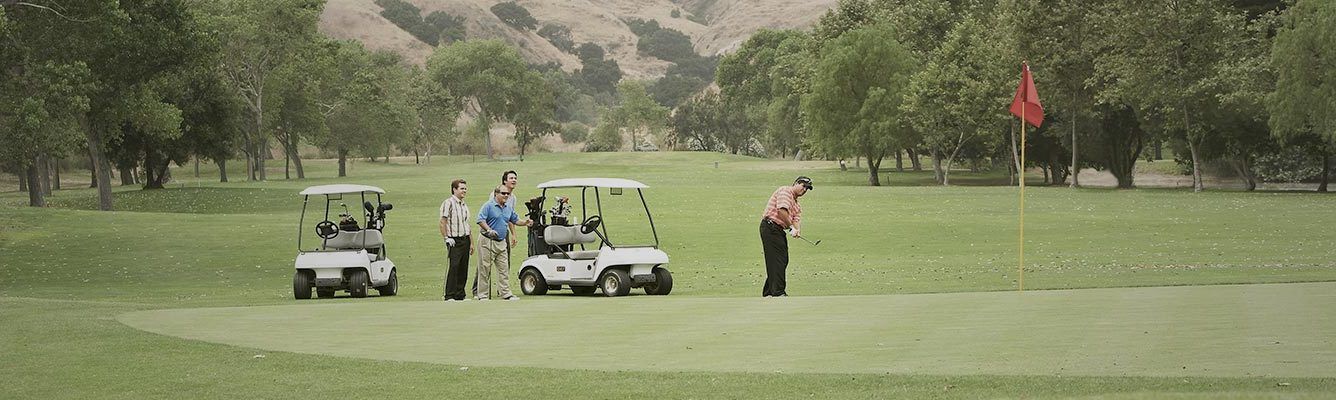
x: 1220, y: 331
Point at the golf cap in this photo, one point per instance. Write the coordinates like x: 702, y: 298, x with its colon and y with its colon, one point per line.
x: 805, y: 181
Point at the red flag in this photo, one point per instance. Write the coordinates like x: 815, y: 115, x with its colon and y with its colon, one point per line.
x: 1027, y: 99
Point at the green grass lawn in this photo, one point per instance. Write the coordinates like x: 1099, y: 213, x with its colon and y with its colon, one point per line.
x: 70, y: 273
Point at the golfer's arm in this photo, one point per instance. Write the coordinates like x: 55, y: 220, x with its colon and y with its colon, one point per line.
x: 784, y: 218
x: 445, y: 227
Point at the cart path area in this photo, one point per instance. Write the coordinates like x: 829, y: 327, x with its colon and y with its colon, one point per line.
x: 1286, y: 330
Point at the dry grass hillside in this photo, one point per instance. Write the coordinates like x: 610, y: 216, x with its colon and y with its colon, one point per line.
x: 596, y: 21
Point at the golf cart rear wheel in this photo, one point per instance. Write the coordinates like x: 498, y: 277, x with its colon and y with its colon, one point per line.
x: 301, y: 285
x: 357, y: 283
x: 615, y: 283
x: 392, y: 287
x: 583, y: 290
x: 532, y: 282
x: 663, y: 283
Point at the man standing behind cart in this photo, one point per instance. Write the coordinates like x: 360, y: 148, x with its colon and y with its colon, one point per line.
x: 494, y: 219
x: 458, y: 243
x: 781, y: 213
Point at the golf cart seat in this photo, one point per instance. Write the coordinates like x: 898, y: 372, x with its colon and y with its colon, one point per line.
x: 564, y: 235
x: 363, y: 239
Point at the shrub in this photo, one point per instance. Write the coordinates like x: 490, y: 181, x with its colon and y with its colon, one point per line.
x: 559, y: 35
x: 515, y: 15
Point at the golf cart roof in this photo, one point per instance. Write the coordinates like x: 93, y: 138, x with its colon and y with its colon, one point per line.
x: 593, y: 182
x: 340, y: 189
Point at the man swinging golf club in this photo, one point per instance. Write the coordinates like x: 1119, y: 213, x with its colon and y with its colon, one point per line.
x: 781, y: 213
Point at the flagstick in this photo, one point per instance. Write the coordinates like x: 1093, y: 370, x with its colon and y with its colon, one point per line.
x: 1021, y: 173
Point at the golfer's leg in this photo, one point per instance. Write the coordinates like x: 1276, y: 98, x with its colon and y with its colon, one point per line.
x: 462, y: 276
x: 483, y: 284
x: 503, y: 275
x: 768, y: 245
x: 449, y: 273
x: 781, y: 271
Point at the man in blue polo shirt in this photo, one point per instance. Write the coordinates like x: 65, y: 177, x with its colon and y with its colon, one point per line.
x: 494, y: 219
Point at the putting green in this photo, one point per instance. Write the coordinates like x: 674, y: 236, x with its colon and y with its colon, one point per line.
x: 1228, y: 331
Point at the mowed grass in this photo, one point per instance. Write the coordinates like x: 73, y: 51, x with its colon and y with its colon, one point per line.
x: 69, y: 272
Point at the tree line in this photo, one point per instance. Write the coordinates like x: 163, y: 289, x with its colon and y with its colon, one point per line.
x: 1236, y: 84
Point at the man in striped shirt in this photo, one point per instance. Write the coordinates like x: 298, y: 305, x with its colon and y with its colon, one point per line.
x: 455, y: 223
x: 781, y: 212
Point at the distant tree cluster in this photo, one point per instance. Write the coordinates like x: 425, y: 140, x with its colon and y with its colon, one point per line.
x: 515, y: 15
x: 1215, y: 83
x: 559, y: 35
x: 437, y: 28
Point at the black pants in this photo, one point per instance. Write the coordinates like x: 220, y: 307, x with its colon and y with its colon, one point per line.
x: 776, y: 248
x: 458, y: 271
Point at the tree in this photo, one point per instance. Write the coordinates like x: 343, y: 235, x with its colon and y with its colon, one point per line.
x: 436, y: 112
x: 482, y: 74
x: 747, y: 77
x: 514, y: 15
x: 1303, y: 56
x: 449, y: 28
x: 559, y: 35
x: 598, y: 74
x: 41, y: 104
x: 855, y: 102
x: 1158, y: 60
x: 955, y: 98
x: 259, y: 38
x: 638, y: 113
x: 533, y: 111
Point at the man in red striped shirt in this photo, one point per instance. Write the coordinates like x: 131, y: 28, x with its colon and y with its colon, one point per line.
x: 781, y: 212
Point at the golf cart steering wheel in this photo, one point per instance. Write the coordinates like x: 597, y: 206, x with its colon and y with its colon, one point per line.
x: 591, y: 224
x: 326, y: 230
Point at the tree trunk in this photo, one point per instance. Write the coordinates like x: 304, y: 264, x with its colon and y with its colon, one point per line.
x: 899, y: 161
x: 1326, y: 171
x: 1015, y: 155
x: 35, y: 198
x: 417, y: 156
x: 23, y: 179
x: 297, y: 163
x: 343, y: 162
x: 873, y: 164
x: 1245, y: 173
x: 55, y: 174
x: 938, y: 173
x: 1197, y: 185
x: 914, y: 159
x: 92, y: 169
x: 264, y: 153
x: 127, y: 177
x: 151, y: 176
x: 1076, y: 164
x: 196, y: 166
x: 287, y: 161
x: 222, y: 169
x: 101, y: 167
x: 1044, y: 169
x: 1159, y: 145
x: 44, y: 174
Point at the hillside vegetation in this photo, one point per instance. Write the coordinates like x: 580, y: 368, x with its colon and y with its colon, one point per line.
x: 714, y: 27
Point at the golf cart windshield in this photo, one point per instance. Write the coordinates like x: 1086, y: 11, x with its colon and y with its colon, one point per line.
x: 620, y: 203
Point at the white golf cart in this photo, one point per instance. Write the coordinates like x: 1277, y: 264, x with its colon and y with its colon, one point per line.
x: 554, y: 260
x: 349, y: 257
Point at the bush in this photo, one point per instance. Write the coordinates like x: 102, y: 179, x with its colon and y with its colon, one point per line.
x: 559, y: 35
x: 515, y: 15
x: 574, y: 132
x: 676, y: 13
x: 699, y: 67
x: 667, y: 44
x: 606, y: 137
x: 1290, y: 164
x: 450, y: 28
x: 642, y: 27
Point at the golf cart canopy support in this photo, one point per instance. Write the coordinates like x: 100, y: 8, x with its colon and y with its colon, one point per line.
x: 340, y: 189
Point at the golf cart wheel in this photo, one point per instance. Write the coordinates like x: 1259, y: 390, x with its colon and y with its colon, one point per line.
x: 301, y: 285
x: 583, y: 290
x: 357, y: 283
x: 392, y: 287
x: 532, y: 282
x: 615, y: 283
x: 324, y: 293
x: 663, y: 283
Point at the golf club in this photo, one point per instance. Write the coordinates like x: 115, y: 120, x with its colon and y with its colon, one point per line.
x: 809, y: 241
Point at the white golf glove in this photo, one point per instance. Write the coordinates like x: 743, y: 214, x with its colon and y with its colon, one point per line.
x: 793, y: 232
x: 450, y: 242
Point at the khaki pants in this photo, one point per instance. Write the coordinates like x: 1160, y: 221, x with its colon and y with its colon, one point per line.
x: 492, y: 255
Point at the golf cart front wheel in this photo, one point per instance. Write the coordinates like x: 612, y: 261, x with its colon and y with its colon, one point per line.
x: 301, y: 285
x: 615, y: 283
x: 663, y: 283
x: 357, y: 283
x: 532, y: 282
x: 392, y: 287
